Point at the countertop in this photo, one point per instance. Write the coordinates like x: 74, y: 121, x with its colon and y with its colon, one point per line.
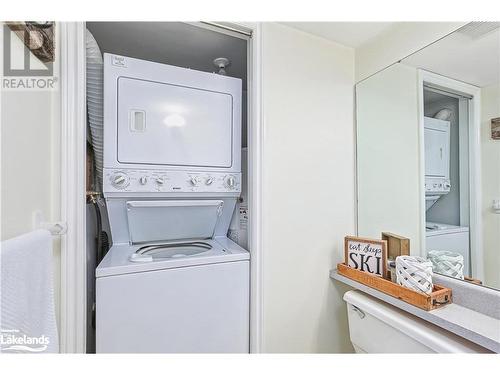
x: 474, y: 326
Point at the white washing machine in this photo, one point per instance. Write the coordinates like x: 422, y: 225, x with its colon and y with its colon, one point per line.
x: 172, y: 281
x: 446, y: 237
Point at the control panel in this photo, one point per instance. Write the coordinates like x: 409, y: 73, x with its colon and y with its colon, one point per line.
x: 437, y: 186
x: 138, y: 181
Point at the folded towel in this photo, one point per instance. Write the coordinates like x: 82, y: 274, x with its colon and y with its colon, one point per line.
x: 27, y: 312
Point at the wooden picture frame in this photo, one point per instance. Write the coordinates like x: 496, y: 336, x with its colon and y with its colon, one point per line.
x: 358, y: 252
x: 396, y: 245
x: 495, y: 128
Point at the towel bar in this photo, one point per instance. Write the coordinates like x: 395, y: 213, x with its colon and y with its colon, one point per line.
x: 56, y: 228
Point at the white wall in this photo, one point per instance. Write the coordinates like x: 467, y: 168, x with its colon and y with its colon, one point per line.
x: 30, y: 162
x: 398, y: 42
x: 490, y: 162
x: 388, y: 155
x: 308, y: 189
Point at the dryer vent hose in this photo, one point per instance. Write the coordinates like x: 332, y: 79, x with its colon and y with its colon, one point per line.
x: 102, y: 236
x: 95, y: 76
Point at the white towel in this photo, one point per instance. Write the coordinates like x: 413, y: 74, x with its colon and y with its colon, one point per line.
x: 27, y: 312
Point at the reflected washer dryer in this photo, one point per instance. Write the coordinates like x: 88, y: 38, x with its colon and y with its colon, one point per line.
x: 449, y: 237
x: 172, y: 281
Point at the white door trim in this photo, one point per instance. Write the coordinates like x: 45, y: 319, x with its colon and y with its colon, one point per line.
x: 73, y: 138
x: 73, y: 142
x: 475, y: 224
x: 255, y: 175
x: 464, y: 140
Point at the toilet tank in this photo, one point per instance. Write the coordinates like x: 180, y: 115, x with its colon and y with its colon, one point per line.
x: 377, y: 327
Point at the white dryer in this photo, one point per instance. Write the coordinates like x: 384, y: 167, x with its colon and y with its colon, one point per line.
x: 172, y: 281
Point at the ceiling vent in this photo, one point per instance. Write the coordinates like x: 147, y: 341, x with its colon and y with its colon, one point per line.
x: 478, y: 29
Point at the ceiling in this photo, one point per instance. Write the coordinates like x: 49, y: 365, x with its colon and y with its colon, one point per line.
x: 473, y: 58
x: 173, y: 43
x: 351, y: 34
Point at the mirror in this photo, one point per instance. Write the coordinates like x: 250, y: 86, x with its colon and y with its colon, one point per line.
x: 428, y: 153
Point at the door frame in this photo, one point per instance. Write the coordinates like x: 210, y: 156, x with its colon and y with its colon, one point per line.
x: 475, y: 194
x: 73, y: 198
x: 73, y: 326
x: 255, y: 144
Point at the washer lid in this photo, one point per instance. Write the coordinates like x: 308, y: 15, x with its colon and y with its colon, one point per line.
x: 171, y: 220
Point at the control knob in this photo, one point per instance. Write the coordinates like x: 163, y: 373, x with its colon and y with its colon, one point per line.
x: 194, y: 180
x: 143, y: 180
x: 209, y: 181
x: 160, y: 181
x: 120, y: 180
x: 230, y: 182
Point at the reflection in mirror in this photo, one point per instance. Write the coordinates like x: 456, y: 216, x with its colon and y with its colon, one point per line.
x: 428, y: 153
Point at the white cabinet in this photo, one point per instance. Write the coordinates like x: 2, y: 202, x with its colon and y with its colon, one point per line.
x: 437, y: 148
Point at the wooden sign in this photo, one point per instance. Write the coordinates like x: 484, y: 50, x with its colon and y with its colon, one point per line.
x: 495, y: 128
x: 366, y: 255
x: 396, y: 245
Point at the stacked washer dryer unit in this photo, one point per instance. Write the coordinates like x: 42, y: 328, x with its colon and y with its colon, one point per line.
x: 172, y: 281
x: 437, y: 160
x: 441, y: 236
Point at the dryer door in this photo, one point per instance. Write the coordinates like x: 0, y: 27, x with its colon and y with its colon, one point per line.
x: 437, y: 148
x: 171, y: 125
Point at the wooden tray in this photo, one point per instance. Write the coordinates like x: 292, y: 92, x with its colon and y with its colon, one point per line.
x: 474, y: 281
x: 440, y: 295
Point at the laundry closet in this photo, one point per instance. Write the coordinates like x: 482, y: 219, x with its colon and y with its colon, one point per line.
x: 446, y: 141
x: 167, y: 216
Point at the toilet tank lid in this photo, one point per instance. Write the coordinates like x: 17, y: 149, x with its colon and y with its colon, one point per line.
x: 430, y: 335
